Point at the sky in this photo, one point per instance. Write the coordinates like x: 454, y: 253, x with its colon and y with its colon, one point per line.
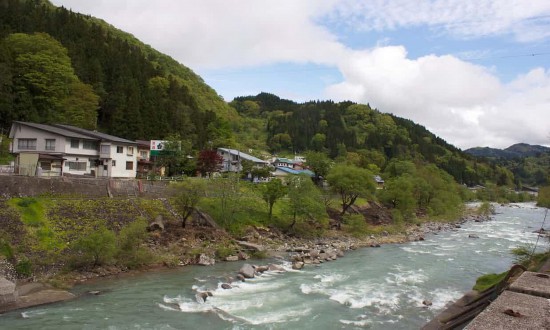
x: 474, y: 72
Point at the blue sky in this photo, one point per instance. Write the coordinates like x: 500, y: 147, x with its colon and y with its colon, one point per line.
x: 460, y: 68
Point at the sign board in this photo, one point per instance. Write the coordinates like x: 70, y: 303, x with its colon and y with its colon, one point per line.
x: 157, y: 146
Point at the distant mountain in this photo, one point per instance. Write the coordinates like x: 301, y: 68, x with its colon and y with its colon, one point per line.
x: 527, y: 150
x: 519, y: 150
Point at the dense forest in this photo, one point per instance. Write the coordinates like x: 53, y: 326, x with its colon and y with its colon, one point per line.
x: 60, y: 66
x: 359, y: 135
x: 530, y: 164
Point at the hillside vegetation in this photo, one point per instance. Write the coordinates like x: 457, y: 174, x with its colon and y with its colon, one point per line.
x: 530, y: 164
x: 357, y: 134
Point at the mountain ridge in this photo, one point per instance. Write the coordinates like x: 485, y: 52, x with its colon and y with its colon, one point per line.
x: 518, y: 150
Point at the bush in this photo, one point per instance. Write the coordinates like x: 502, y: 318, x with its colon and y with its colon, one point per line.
x: 130, y: 252
x: 23, y: 268
x: 98, y: 248
x: 486, y: 209
x: 355, y: 224
x: 6, y: 249
x: 224, y: 251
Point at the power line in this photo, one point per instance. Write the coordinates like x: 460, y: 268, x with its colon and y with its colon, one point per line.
x: 507, y: 56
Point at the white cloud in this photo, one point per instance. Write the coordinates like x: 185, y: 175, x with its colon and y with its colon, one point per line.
x: 526, y: 20
x: 225, y: 33
x: 457, y: 100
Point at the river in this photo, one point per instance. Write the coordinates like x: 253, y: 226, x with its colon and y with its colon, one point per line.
x: 374, y: 288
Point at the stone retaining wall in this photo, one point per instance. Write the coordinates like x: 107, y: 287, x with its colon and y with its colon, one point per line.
x: 14, y: 186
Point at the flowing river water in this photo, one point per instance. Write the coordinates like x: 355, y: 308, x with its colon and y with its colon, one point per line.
x: 375, y: 288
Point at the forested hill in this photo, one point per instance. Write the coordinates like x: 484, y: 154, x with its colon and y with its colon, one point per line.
x: 530, y: 164
x: 355, y: 133
x: 518, y: 150
x: 60, y: 66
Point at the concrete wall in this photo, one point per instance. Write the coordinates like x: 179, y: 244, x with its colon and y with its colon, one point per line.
x: 8, y: 294
x: 15, y: 186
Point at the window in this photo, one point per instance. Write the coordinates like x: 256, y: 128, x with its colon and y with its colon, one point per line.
x: 89, y: 145
x: 46, y: 166
x: 50, y: 144
x: 77, y: 166
x: 129, y: 165
x: 143, y: 154
x: 119, y: 149
x: 26, y: 144
x: 75, y: 143
x: 105, y: 149
x: 113, y: 163
x: 129, y: 151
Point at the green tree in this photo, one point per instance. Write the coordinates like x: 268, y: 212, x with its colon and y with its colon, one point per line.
x: 398, y: 193
x: 97, y: 248
x: 271, y: 192
x: 319, y: 163
x: 227, y: 192
x: 351, y: 182
x: 304, y: 199
x: 175, y: 155
x: 45, y: 84
x: 189, y: 192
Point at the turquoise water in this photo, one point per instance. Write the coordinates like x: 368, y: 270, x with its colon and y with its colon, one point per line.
x: 380, y: 288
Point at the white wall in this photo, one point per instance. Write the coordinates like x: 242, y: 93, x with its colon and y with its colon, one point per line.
x: 119, y: 170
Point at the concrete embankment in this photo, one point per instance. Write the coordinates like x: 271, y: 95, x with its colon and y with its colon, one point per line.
x: 13, y: 297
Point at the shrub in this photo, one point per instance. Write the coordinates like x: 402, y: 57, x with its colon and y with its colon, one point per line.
x: 130, y: 252
x: 355, y: 224
x: 23, y: 268
x: 485, y: 209
x: 97, y: 248
x: 224, y: 251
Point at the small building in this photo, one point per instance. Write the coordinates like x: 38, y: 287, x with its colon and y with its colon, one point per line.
x: 232, y: 160
x: 295, y: 164
x: 379, y: 182
x: 144, y: 163
x: 56, y: 150
x: 282, y: 171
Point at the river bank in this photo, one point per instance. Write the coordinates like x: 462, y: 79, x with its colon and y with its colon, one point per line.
x: 269, y: 243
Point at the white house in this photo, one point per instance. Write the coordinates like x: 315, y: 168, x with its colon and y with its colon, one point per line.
x: 232, y: 160
x: 55, y: 150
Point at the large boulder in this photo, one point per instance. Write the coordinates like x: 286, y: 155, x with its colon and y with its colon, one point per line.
x: 8, y: 294
x: 205, y: 260
x: 298, y: 265
x: 247, y: 271
x: 275, y: 268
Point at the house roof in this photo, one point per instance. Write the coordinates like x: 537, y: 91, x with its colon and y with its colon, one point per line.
x: 295, y: 172
x: 378, y: 179
x: 243, y: 155
x: 284, y: 160
x: 94, y: 134
x: 52, y: 129
x: 144, y: 144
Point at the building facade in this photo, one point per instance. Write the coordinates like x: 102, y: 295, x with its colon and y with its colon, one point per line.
x: 56, y: 150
